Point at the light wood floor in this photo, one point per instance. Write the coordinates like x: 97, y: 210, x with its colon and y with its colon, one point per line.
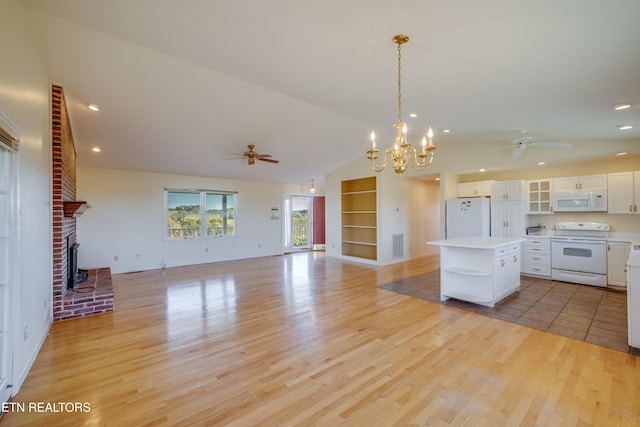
x: 305, y: 339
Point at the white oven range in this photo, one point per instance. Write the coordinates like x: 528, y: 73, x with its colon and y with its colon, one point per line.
x: 579, y: 253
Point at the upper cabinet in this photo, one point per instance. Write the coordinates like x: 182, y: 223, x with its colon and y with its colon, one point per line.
x: 508, y: 190
x: 539, y: 196
x: 580, y: 183
x: 624, y: 192
x: 475, y: 189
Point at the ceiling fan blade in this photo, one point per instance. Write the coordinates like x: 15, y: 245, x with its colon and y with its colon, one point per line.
x: 265, y: 155
x: 551, y: 144
x: 268, y: 160
x: 518, y: 151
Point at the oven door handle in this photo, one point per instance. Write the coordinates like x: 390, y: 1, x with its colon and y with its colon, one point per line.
x: 588, y: 241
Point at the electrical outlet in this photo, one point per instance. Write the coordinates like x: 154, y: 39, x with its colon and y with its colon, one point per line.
x: 26, y: 334
x: 206, y: 249
x: 115, y: 257
x: 45, y: 303
x: 259, y: 245
x: 137, y: 256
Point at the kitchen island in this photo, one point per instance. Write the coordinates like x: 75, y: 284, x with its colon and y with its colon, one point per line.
x: 481, y: 270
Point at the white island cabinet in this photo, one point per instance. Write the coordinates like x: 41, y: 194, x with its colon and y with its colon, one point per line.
x: 482, y: 270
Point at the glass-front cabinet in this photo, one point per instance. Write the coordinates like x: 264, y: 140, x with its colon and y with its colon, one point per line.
x: 539, y: 195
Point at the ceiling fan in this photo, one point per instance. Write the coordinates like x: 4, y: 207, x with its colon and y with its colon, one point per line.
x: 520, y: 144
x: 251, y: 156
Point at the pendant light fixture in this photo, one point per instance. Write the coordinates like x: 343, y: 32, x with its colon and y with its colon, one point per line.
x: 402, y: 153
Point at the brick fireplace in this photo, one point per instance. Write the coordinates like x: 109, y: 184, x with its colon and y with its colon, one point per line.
x: 95, y: 295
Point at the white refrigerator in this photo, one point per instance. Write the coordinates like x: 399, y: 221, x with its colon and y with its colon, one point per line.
x: 468, y: 217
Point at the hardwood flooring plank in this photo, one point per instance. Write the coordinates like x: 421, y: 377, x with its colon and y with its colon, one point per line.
x: 308, y: 340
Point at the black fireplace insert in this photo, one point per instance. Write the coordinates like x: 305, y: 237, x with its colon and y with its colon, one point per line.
x: 76, y: 275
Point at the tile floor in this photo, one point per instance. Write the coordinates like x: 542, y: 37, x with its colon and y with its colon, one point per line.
x: 587, y: 313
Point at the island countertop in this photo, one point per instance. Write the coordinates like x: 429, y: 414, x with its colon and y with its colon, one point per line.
x: 477, y: 242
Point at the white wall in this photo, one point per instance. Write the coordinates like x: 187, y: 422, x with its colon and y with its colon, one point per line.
x: 126, y: 220
x: 24, y: 95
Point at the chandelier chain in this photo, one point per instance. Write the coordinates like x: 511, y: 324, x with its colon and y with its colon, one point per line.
x: 399, y: 87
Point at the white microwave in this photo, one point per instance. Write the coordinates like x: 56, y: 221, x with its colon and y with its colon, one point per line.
x: 580, y: 201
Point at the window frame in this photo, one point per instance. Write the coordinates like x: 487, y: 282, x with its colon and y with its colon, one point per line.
x: 203, y: 212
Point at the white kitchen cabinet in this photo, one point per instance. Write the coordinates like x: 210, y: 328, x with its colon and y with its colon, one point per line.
x: 539, y: 196
x: 617, y: 253
x: 475, y: 189
x: 482, y: 270
x: 507, y: 218
x: 623, y: 194
x: 508, y: 190
x: 580, y: 183
x: 537, y: 257
x: 507, y: 273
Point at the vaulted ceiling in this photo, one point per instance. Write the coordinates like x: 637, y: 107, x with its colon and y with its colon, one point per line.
x: 185, y: 85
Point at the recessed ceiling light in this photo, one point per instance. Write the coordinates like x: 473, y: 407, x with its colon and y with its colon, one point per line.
x: 96, y: 149
x: 438, y: 179
x: 446, y: 130
x: 542, y: 163
x: 625, y: 127
x: 483, y: 170
x: 413, y: 115
x: 621, y: 154
x: 93, y: 107
x: 619, y: 107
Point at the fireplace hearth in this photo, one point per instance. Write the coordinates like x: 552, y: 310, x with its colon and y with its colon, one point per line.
x: 76, y: 275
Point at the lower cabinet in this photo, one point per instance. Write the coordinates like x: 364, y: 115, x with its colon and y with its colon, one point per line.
x: 507, y: 274
x: 617, y: 253
x: 537, y: 257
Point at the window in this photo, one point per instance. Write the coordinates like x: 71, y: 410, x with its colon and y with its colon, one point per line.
x: 197, y: 213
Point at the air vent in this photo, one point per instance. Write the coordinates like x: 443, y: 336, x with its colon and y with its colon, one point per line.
x: 398, y: 245
x: 9, y: 133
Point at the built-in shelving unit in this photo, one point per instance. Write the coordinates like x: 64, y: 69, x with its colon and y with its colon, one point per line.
x: 359, y: 218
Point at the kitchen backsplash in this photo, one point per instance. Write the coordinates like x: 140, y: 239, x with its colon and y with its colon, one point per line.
x: 617, y: 223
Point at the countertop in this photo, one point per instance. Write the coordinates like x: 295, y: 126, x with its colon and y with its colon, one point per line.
x: 477, y: 242
x: 618, y: 236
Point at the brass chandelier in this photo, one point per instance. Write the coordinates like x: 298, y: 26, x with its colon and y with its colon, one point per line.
x: 402, y: 153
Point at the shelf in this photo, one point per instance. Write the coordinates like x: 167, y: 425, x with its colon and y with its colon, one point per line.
x: 359, y: 192
x: 74, y: 209
x: 359, y: 185
x: 358, y: 212
x: 359, y: 226
x: 359, y: 243
x: 359, y: 250
x: 466, y: 271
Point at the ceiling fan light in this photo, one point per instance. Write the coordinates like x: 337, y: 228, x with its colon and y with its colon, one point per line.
x: 625, y: 127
